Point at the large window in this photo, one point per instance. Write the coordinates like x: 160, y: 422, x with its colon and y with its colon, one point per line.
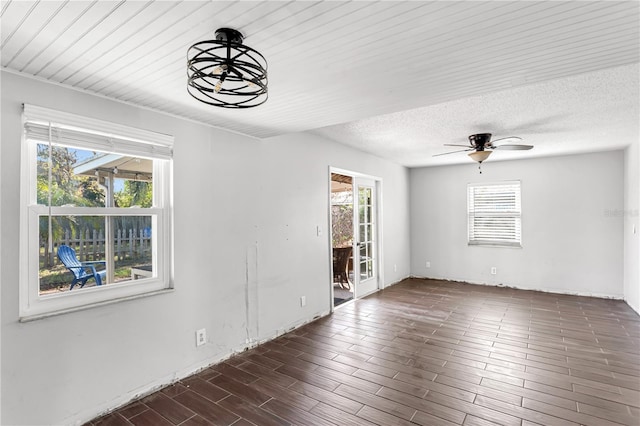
x: 96, y: 212
x: 494, y: 214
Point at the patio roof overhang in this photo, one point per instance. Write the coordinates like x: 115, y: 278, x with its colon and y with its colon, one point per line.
x: 121, y: 166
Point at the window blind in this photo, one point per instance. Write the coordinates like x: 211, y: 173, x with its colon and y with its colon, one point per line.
x: 494, y: 213
x: 73, y: 130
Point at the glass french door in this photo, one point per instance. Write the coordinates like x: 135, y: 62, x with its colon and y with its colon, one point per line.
x: 365, y: 258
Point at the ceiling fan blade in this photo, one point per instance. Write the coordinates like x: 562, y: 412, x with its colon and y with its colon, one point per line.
x: 453, y: 144
x: 508, y: 139
x: 453, y: 152
x: 513, y: 147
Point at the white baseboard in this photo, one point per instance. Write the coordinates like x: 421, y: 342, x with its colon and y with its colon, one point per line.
x: 543, y: 290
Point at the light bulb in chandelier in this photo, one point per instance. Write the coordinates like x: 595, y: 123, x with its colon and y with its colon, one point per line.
x: 222, y: 71
x: 218, y: 87
x: 218, y: 70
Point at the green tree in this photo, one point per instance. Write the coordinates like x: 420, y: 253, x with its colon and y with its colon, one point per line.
x: 62, y: 185
x: 134, y: 193
x: 342, y: 224
x: 92, y: 194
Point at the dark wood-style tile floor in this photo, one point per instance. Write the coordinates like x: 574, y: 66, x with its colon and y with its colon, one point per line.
x: 429, y: 353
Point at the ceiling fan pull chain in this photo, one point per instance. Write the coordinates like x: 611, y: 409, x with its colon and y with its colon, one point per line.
x: 480, y: 167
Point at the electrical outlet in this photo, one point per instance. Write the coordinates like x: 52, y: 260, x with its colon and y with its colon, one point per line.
x: 201, y: 337
x: 428, y: 264
x: 494, y: 270
x: 395, y: 268
x: 303, y: 300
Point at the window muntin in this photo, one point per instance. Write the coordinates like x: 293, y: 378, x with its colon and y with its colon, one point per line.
x: 494, y: 214
x: 106, y: 196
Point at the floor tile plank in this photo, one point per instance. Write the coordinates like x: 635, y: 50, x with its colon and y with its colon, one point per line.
x: 206, y: 409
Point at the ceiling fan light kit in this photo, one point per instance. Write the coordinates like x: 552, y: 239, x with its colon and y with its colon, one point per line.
x: 479, y: 156
x: 226, y: 73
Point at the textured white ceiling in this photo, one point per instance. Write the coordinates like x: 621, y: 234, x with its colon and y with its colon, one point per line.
x: 344, y: 63
x: 589, y: 112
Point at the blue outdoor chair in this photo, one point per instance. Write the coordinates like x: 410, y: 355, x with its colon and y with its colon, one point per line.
x: 82, y: 271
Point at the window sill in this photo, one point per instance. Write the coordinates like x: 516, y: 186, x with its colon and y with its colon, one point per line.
x: 35, y: 317
x: 497, y: 245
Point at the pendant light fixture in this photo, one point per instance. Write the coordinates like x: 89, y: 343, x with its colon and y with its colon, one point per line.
x: 226, y: 73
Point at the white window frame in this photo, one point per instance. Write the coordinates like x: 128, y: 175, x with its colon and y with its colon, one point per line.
x: 43, y: 125
x: 499, y: 203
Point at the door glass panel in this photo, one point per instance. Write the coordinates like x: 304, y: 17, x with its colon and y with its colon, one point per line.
x: 366, y: 233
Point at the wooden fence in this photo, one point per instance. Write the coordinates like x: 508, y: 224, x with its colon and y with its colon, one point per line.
x: 90, y: 245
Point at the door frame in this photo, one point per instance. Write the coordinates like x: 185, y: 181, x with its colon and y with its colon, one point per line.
x: 379, y: 243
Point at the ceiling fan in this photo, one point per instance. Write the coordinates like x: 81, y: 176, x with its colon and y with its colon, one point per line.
x: 482, y: 146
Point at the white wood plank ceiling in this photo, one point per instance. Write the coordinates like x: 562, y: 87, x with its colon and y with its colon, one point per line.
x: 330, y: 63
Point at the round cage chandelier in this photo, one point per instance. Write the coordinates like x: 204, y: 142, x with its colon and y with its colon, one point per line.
x: 226, y: 73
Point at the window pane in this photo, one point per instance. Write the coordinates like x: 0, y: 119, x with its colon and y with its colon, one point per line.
x: 363, y: 233
x: 82, y: 178
x: 128, y: 243
x: 64, y: 186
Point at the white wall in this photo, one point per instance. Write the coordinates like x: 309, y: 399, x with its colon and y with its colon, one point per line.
x: 571, y: 242
x: 631, y: 213
x: 246, y: 213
